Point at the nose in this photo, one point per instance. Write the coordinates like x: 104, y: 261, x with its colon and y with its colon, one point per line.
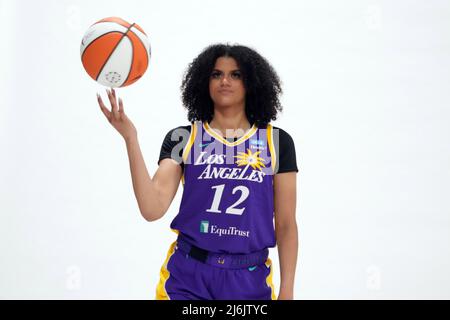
x: 225, y: 80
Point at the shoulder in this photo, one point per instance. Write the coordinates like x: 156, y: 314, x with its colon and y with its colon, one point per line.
x: 179, y: 130
x: 282, y: 137
x: 176, y: 135
x: 285, y: 151
x: 282, y: 131
x: 174, y: 142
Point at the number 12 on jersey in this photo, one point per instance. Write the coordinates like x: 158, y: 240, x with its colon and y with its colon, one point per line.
x: 231, y: 209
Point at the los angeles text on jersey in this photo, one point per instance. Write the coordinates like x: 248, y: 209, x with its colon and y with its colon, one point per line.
x: 211, y: 172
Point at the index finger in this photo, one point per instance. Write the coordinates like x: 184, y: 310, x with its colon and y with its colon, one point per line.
x: 105, y: 110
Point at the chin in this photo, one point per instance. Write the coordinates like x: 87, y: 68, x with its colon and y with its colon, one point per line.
x: 225, y: 102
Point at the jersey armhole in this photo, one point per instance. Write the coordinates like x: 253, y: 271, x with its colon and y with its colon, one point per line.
x: 190, y: 142
x: 188, y: 148
x: 273, y: 154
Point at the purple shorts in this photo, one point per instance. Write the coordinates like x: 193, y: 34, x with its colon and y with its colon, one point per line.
x: 184, y: 277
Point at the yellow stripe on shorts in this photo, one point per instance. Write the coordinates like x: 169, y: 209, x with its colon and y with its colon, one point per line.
x: 164, y: 274
x: 269, y: 280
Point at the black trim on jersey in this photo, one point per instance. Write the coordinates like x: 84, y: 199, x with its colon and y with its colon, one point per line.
x: 287, y: 160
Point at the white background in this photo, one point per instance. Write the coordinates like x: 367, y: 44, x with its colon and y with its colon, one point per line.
x: 366, y: 100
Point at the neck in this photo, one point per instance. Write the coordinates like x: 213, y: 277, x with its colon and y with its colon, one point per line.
x: 230, y: 125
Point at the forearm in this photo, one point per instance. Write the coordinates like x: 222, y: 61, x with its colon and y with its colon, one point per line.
x: 143, y: 186
x: 287, y: 242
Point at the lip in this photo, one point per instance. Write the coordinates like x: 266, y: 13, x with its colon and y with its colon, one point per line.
x: 225, y: 91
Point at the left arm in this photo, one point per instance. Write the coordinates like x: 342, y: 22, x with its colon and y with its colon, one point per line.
x: 285, y: 198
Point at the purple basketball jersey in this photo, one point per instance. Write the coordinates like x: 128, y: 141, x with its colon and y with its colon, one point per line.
x: 227, y: 204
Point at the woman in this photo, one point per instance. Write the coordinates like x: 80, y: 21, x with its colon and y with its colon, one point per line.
x: 238, y: 174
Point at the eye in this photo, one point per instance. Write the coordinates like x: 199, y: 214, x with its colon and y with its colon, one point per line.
x: 215, y: 74
x: 236, y: 75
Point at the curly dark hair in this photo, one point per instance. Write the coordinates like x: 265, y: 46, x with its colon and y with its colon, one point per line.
x: 261, y: 82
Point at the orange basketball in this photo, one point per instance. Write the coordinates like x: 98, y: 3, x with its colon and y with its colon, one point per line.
x: 115, y: 53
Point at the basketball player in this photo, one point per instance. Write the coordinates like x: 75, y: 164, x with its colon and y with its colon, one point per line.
x: 238, y: 174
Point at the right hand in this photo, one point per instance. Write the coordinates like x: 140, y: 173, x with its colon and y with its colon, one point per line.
x: 117, y: 116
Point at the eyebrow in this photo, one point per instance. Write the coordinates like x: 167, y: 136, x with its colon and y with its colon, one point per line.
x: 222, y: 71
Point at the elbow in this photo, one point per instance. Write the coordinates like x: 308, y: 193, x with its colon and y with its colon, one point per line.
x: 286, y: 232
x: 286, y: 226
x: 152, y: 211
x: 149, y: 218
x: 152, y: 216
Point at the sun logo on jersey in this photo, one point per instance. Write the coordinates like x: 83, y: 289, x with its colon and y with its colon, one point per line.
x: 249, y: 158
